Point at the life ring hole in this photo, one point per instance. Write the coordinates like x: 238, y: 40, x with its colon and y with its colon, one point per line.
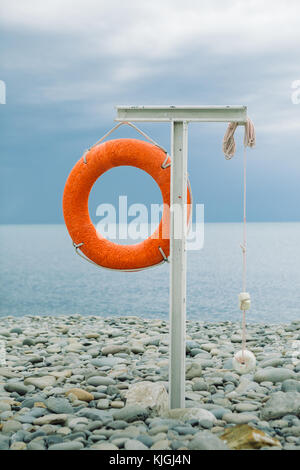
x: 125, y: 205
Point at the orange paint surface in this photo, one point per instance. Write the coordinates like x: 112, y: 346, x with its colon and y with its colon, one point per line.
x: 101, y: 158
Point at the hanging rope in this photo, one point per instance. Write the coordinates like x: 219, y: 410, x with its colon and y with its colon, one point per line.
x: 229, y: 148
x: 134, y: 127
x: 244, y: 250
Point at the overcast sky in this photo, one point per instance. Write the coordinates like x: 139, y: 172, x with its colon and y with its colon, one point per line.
x: 67, y: 63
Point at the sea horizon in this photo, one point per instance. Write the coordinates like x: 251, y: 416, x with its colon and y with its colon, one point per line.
x: 41, y: 275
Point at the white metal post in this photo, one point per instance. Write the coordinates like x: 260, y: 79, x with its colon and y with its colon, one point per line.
x: 179, y: 116
x: 178, y: 220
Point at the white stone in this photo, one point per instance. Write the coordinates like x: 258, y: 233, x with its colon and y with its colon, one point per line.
x: 244, y: 361
x: 239, y: 418
x: 149, y: 395
x: 103, y: 404
x: 193, y: 370
x: 185, y: 414
x: 40, y: 382
x: 54, y: 349
x: 104, y: 446
x: 51, y: 419
x: 133, y: 444
x: 74, y: 347
x: 73, y: 422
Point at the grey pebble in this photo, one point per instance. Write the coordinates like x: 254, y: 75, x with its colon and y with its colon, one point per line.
x: 206, y: 424
x: 200, y: 386
x: 4, y: 443
x: 273, y: 374
x: 205, y: 440
x: 58, y: 405
x: 11, y: 426
x: 281, y: 404
x: 19, y: 331
x: 107, y: 361
x: 131, y: 413
x: 73, y: 351
x: 219, y: 412
x: 290, y: 385
x: 95, y: 414
x: 185, y: 430
x: 133, y: 444
x: 36, y: 444
x: 98, y: 380
x: 145, y: 439
x: 18, y: 387
x: 70, y: 445
x: 28, y: 342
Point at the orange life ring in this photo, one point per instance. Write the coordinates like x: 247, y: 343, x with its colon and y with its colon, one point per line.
x: 98, y: 160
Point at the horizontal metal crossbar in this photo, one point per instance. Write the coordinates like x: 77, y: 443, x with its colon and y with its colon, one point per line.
x: 182, y: 113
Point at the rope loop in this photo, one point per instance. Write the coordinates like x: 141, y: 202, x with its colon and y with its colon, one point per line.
x: 85, y: 258
x: 165, y: 163
x: 146, y: 136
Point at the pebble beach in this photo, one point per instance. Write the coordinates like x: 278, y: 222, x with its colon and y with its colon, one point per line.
x: 93, y: 383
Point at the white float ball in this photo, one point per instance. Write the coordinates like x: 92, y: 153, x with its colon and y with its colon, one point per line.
x: 244, y: 362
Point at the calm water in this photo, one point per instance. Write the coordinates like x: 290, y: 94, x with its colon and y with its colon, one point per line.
x: 40, y: 274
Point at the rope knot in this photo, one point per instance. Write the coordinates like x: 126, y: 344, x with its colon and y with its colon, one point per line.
x: 244, y: 301
x: 243, y: 247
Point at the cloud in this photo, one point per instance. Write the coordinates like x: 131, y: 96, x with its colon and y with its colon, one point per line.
x: 161, y: 29
x: 289, y: 126
x: 89, y: 55
x: 66, y: 64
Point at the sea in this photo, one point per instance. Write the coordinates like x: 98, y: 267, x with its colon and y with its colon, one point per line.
x: 40, y: 274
